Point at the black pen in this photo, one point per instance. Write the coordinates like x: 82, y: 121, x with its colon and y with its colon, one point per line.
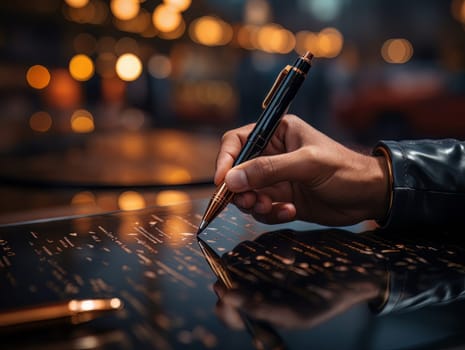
x: 276, y: 103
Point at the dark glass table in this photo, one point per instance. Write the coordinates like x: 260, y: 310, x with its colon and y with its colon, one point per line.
x: 296, y: 286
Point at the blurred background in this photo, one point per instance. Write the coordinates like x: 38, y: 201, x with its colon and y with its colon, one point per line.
x: 120, y: 104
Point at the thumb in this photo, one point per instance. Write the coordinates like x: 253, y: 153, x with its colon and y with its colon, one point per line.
x: 265, y: 171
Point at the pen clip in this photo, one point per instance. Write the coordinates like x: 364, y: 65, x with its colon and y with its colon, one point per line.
x: 276, y: 85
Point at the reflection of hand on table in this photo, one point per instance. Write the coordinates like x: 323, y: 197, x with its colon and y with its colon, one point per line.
x: 274, y: 282
x: 285, y: 309
x: 302, y: 279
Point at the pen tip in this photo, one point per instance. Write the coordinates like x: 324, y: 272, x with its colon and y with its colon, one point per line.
x: 202, y: 226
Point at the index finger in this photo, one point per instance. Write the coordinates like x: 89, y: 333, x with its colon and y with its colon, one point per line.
x: 231, y: 145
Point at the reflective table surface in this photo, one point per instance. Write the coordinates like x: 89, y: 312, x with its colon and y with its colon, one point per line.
x: 239, y: 285
x: 60, y: 175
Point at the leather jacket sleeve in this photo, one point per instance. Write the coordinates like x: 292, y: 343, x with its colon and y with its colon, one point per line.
x: 428, y: 179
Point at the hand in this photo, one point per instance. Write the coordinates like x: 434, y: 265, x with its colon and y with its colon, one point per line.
x: 303, y: 174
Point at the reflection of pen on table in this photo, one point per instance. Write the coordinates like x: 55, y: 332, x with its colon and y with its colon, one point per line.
x: 74, y: 311
x: 264, y: 336
x: 275, y: 105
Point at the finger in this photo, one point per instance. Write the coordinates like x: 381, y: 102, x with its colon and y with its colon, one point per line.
x: 246, y: 200
x: 231, y: 144
x: 227, y: 309
x: 268, y: 170
x: 263, y: 205
x: 253, y: 202
x: 279, y: 213
x: 229, y: 315
x: 219, y: 289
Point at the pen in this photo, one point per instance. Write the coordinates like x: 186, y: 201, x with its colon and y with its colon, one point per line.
x: 264, y: 336
x: 75, y: 311
x: 275, y: 104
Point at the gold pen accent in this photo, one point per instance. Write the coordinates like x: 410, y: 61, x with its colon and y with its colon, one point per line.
x: 218, y: 202
x: 278, y: 82
x: 76, y: 311
x: 275, y: 86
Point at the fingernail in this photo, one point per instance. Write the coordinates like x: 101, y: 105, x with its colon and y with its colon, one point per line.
x: 236, y: 180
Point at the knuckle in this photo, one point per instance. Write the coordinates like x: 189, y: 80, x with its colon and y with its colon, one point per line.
x: 290, y: 119
x: 227, y: 135
x: 308, y: 154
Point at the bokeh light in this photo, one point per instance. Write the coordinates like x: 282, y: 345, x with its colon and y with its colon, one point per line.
x: 173, y: 174
x: 83, y: 198
x: 128, y: 67
x: 81, y: 67
x: 38, y: 76
x: 274, y: 38
x: 170, y: 197
x: 159, y: 66
x: 175, y: 33
x: 40, y: 121
x: 125, y: 9
x: 82, y: 121
x: 77, y: 3
x: 131, y: 200
x: 63, y: 92
x: 180, y: 5
x: 327, y: 43
x: 246, y: 36
x: 166, y: 18
x: 330, y: 42
x: 397, y: 51
x: 210, y: 31
x: 306, y: 41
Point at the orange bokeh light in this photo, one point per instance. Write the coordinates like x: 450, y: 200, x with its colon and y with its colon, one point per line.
x: 38, y: 76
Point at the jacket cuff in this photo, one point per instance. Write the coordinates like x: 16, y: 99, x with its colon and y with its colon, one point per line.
x: 427, y: 183
x: 382, y: 151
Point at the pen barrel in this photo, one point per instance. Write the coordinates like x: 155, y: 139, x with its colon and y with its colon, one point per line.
x: 254, y: 145
x: 274, y: 110
x: 277, y: 103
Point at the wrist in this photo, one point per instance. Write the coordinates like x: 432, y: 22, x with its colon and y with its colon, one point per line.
x: 383, y: 156
x: 366, y: 186
x: 375, y: 182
